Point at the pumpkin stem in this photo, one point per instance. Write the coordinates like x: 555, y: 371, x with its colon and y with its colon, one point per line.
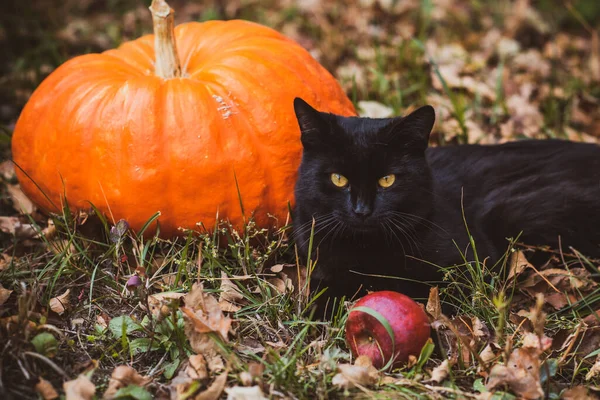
x: 166, y: 64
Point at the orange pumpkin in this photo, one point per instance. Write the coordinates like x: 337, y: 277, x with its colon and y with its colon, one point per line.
x: 103, y: 129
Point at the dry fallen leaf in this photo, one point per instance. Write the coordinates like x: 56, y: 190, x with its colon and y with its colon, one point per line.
x: 434, y: 307
x: 202, y: 317
x: 521, y: 373
x: 290, y: 278
x: 205, y: 314
x: 5, y: 261
x: 20, y: 202
x: 518, y: 264
x: 533, y: 341
x: 14, y: 226
x: 440, y: 373
x: 4, y: 294
x: 197, y: 367
x: 215, y: 389
x: 161, y: 304
x: 281, y: 285
x: 79, y: 389
x: 60, y: 304
x: 362, y: 373
x: 578, y: 393
x: 594, y: 371
x: 46, y: 390
x: 230, y: 296
x: 277, y: 268
x: 245, y: 393
x: 374, y: 109
x: 488, y: 354
x: 123, y: 376
x: 7, y: 170
x: 462, y: 337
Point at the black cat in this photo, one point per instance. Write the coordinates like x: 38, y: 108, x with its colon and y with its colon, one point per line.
x: 383, y: 203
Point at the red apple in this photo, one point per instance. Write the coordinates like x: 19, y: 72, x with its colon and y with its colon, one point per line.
x: 367, y: 335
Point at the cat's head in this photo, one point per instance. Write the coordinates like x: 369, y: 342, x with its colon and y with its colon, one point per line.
x: 363, y: 171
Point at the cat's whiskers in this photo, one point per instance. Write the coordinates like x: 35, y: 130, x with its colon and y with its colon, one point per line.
x: 317, y: 221
x: 403, y: 231
x: 332, y: 230
x: 410, y: 229
x: 388, y: 241
x: 324, y: 224
x: 418, y: 219
x: 387, y: 224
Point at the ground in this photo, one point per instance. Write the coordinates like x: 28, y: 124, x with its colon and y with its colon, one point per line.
x: 88, y: 306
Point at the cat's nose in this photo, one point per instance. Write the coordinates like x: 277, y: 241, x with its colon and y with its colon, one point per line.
x: 362, y: 209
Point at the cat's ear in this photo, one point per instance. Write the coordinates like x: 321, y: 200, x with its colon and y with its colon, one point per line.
x: 312, y: 123
x: 413, y: 130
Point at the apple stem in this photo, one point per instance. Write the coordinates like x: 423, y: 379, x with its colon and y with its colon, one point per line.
x: 166, y: 64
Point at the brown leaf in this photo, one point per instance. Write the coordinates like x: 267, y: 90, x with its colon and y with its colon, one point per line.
x: 229, y: 290
x: 215, y: 389
x: 14, y: 226
x: 480, y: 330
x: 594, y: 371
x: 526, y: 118
x: 102, y: 320
x: 594, y: 60
x: 58, y: 246
x: 521, y: 373
x: 123, y: 376
x: 488, y: 354
x: 462, y: 337
x: 539, y: 344
x: 215, y: 363
x: 197, y: 367
x: 292, y: 279
x: 440, y: 373
x: 578, y: 393
x: 7, y: 170
x: 229, y: 307
x: 203, y: 316
x: 208, y: 324
x: 434, y: 307
x: 362, y: 373
x: 518, y: 264
x: 4, y: 294
x: 161, y: 304
x: 245, y: 393
x: 277, y: 268
x: 79, y: 389
x: 46, y: 390
x: 21, y: 203
x: 60, y: 304
x: 278, y: 284
x: 556, y: 300
x: 230, y: 296
x: 5, y: 261
x: 245, y: 378
x: 374, y: 109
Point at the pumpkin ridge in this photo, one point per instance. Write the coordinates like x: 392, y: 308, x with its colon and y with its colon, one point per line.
x: 257, y: 146
x: 118, y: 58
x: 87, y: 136
x: 43, y: 159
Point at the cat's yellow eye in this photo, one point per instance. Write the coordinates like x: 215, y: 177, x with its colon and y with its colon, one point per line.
x: 387, y: 181
x: 339, y: 180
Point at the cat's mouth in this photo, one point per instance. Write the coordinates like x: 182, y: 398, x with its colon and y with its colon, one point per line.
x: 363, y: 226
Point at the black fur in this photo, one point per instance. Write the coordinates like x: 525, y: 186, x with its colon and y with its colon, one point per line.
x: 545, y: 189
